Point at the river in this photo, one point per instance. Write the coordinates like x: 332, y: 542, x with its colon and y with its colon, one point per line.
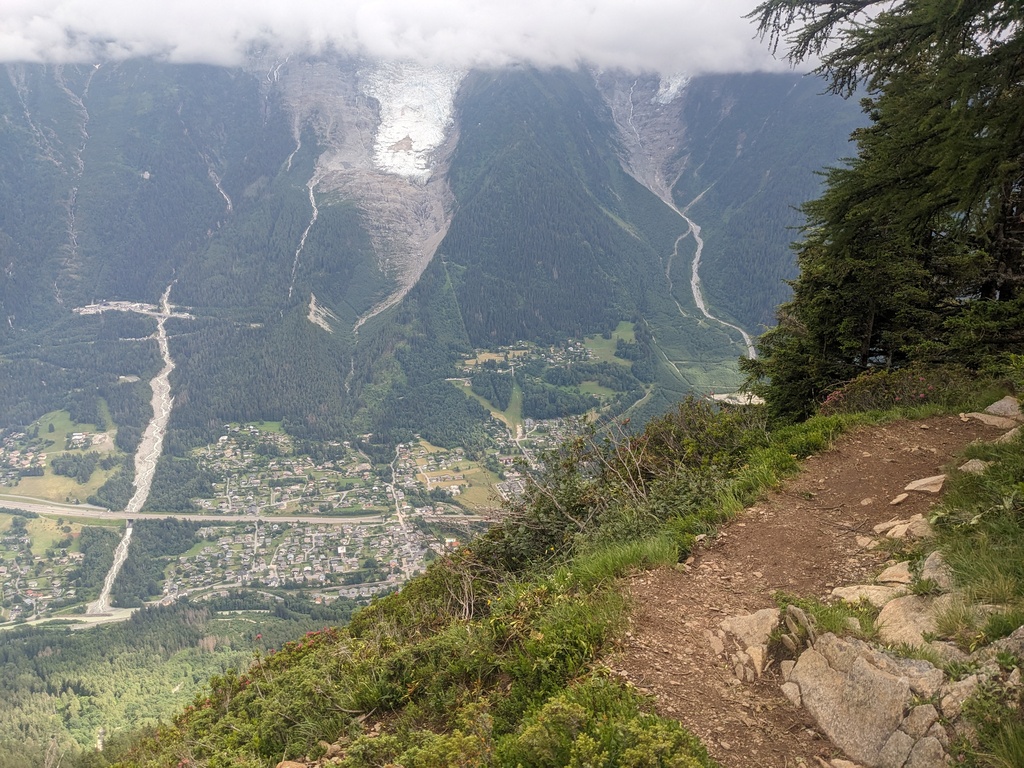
x: 149, y: 450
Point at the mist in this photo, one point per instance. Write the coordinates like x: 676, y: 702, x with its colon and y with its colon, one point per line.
x: 692, y: 36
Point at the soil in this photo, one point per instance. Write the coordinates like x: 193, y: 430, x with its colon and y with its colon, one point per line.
x: 801, y: 540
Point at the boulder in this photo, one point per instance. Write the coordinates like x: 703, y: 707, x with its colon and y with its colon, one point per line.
x: 906, y: 620
x: 919, y: 721
x: 975, y: 466
x: 935, y: 570
x: 931, y: 484
x: 792, y: 692
x: 955, y: 694
x: 858, y: 710
x: 752, y: 629
x: 993, y: 421
x: 1009, y: 437
x: 927, y: 753
x: 896, y: 751
x: 1008, y: 408
x: 876, y: 594
x: 896, y: 574
x: 924, y: 679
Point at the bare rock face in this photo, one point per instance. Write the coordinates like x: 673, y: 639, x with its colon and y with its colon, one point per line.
x: 906, y: 620
x: 862, y: 698
x: 859, y: 710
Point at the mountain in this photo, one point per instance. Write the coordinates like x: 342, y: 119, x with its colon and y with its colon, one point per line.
x: 337, y: 235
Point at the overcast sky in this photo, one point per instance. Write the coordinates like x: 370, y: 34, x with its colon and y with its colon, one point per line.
x: 666, y: 36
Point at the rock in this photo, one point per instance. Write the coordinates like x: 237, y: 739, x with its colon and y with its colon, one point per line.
x: 889, y: 524
x: 936, y: 571
x: 975, y: 466
x: 919, y: 528
x: 757, y: 653
x: 717, y: 646
x: 875, y: 594
x: 790, y: 643
x: 896, y: 751
x: 897, y: 500
x: 753, y: 629
x: 1013, y: 644
x: 840, y: 763
x: 906, y: 620
x: 852, y: 624
x: 923, y: 678
x: 792, y: 692
x: 927, y: 484
x: 787, y: 668
x: 938, y: 732
x: 896, y: 574
x: 859, y: 710
x: 956, y: 694
x: 1009, y: 437
x: 919, y: 721
x: 865, y: 542
x: 898, y: 531
x: 1013, y: 681
x: 799, y: 623
x: 1008, y: 408
x: 290, y: 764
x: 927, y: 753
x: 993, y: 421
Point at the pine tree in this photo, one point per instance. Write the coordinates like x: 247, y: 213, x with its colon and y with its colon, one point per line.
x: 914, y: 252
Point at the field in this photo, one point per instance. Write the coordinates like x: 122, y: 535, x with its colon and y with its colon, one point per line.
x: 604, y: 349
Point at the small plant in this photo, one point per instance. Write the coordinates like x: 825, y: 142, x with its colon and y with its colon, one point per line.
x: 925, y: 588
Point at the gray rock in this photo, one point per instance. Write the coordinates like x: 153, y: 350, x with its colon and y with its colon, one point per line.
x: 1008, y: 437
x: 927, y: 753
x: 919, y: 528
x: 875, y: 594
x: 938, y: 732
x: 787, y: 668
x: 1008, y: 408
x: 896, y: 574
x: 955, y: 694
x: 927, y: 484
x: 717, y: 646
x: 993, y: 421
x: 1012, y: 644
x: 840, y: 652
x: 859, y: 710
x: 935, y: 570
x: 889, y: 524
x: 906, y: 620
x: 975, y: 466
x: 896, y: 751
x: 920, y: 719
x: 752, y: 629
x: 792, y: 692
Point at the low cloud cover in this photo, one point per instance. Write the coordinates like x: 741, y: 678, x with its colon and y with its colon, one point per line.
x: 667, y: 36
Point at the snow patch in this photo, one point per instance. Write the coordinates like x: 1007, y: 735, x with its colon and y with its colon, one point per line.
x: 416, y: 111
x: 671, y: 87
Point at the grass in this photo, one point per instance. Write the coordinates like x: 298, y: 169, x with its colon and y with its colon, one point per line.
x: 604, y: 349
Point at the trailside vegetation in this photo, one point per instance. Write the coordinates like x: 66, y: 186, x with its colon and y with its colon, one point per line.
x: 493, y: 657
x: 915, y: 251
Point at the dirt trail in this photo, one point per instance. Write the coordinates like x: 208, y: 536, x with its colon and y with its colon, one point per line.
x: 802, y: 540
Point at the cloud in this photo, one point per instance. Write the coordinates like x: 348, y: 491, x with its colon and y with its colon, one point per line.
x: 695, y: 36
